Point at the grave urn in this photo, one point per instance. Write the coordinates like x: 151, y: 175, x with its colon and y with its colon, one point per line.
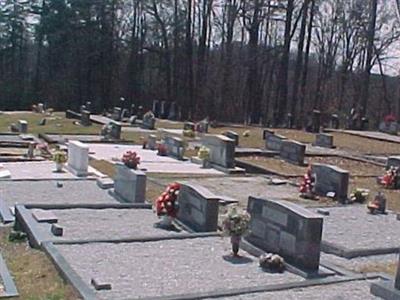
x: 235, y: 241
x: 59, y: 167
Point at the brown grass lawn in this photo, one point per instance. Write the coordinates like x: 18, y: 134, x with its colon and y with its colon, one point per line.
x: 34, y: 275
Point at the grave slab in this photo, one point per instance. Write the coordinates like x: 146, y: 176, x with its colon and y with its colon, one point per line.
x: 351, y: 231
x: 193, y: 266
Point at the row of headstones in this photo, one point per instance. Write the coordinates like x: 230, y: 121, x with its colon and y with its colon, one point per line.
x: 165, y: 110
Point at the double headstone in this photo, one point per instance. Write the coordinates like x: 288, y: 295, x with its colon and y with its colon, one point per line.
x: 331, y: 179
x: 130, y: 184
x: 232, y: 135
x: 78, y: 158
x: 222, y: 150
x: 85, y: 118
x: 286, y: 229
x: 324, y: 140
x: 273, y: 141
x: 293, y: 152
x: 23, y: 126
x: 175, y: 147
x: 198, y: 208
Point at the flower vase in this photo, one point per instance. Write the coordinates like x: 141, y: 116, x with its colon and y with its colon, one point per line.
x: 235, y: 241
x: 166, y: 221
x: 59, y: 167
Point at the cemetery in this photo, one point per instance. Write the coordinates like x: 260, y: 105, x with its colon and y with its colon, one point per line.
x: 311, y: 220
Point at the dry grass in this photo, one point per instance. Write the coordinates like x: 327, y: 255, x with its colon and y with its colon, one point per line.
x: 35, y: 276
x: 105, y: 167
x: 388, y: 268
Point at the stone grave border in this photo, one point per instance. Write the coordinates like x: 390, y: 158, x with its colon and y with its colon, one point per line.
x: 342, y: 251
x: 363, y: 135
x: 87, y: 292
x: 48, y: 139
x: 10, y: 290
x: 18, y: 144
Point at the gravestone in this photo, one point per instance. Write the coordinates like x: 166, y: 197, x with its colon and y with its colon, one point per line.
x: 286, y: 229
x: 40, y: 108
x: 232, y: 135
x: 388, y: 289
x: 70, y: 114
x: 85, y: 118
x: 365, y: 124
x: 293, y: 152
x: 335, y: 121
x: 389, y: 127
x: 316, y: 121
x: 172, y: 111
x: 222, y: 150
x: 140, y: 113
x: 156, y: 108
x: 289, y: 121
x: 14, y: 127
x: 42, y: 122
x: 133, y: 110
x: 152, y: 142
x: 78, y: 158
x: 324, y: 140
x: 393, y: 161
x: 130, y: 184
x: 331, y: 179
x: 164, y: 112
x: 89, y: 106
x: 23, y: 126
x: 149, y: 121
x: 116, y: 128
x: 125, y: 114
x: 116, y: 115
x: 273, y: 141
x: 202, y: 126
x: 175, y: 147
x: 189, y: 126
x: 267, y: 132
x: 198, y: 208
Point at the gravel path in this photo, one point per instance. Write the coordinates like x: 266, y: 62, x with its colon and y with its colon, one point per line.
x: 167, y: 268
x: 47, y: 192
x: 355, y: 290
x: 108, y: 223
x: 354, y: 228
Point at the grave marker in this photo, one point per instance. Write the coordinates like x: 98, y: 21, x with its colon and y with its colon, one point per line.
x: 232, y: 135
x: 286, y: 229
x: 222, y: 150
x: 23, y: 126
x: 175, y: 147
x: 164, y: 109
x: 85, y: 118
x: 324, y: 140
x: 116, y: 115
x: 331, y: 179
x: 393, y: 161
x: 130, y: 184
x: 156, y: 108
x: 388, y: 289
x: 172, y: 111
x: 273, y: 141
x: 78, y: 158
x: 152, y: 142
x: 293, y: 152
x: 198, y: 207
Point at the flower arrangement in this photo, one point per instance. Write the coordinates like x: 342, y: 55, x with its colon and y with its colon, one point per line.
x: 43, y: 148
x: 162, y: 149
x: 273, y: 262
x: 148, y: 116
x: 359, y: 195
x: 204, y: 153
x: 389, y: 118
x: 131, y: 159
x: 236, y: 223
x: 60, y: 157
x: 378, y: 205
x: 166, y: 206
x: 307, y: 185
x: 391, y: 178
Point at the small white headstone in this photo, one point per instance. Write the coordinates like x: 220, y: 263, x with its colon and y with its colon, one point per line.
x: 78, y: 158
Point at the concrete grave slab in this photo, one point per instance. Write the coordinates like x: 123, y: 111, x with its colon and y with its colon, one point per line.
x: 195, y: 265
x: 44, y: 216
x: 351, y: 231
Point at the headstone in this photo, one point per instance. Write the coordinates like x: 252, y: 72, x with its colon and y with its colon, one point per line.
x: 149, y: 121
x: 140, y: 113
x: 324, y: 140
x: 40, y: 108
x: 116, y: 115
x: 267, y: 132
x: 393, y: 161
x: 331, y: 179
x: 133, y: 110
x: 286, y: 229
x: 198, y: 208
x: 130, y: 184
x: 389, y: 127
x: 222, y: 150
x: 316, y: 121
x: 85, y: 118
x: 116, y: 129
x: 23, y: 126
x: 293, y: 152
x: 57, y: 230
x: 202, y: 126
x: 82, y: 108
x: 175, y: 147
x: 42, y: 122
x: 232, y: 135
x: 31, y: 150
x: 44, y: 216
x: 125, y: 114
x: 189, y: 126
x: 14, y: 127
x: 289, y: 121
x: 388, y: 289
x: 364, y: 124
x: 274, y: 141
x: 335, y: 121
x: 172, y: 111
x: 156, y: 108
x: 164, y: 109
x: 132, y: 120
x: 152, y: 142
x: 89, y: 105
x: 78, y: 158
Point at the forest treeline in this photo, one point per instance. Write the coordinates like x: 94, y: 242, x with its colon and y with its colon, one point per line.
x: 232, y: 60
